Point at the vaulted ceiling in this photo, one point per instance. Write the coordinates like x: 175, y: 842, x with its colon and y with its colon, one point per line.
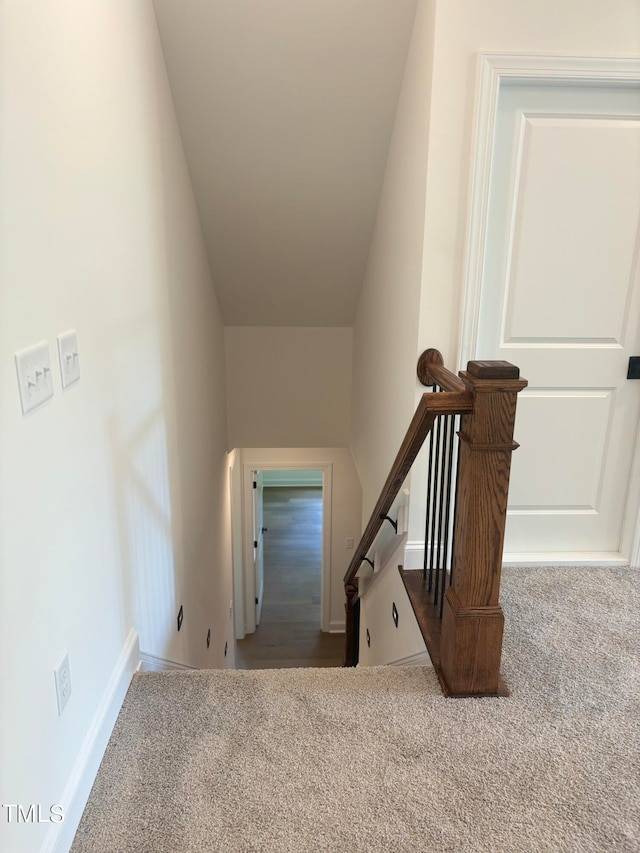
x: 286, y: 109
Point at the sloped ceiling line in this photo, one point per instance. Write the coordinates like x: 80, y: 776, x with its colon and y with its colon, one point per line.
x: 286, y: 109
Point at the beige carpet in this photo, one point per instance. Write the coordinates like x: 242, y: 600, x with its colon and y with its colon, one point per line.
x: 378, y: 760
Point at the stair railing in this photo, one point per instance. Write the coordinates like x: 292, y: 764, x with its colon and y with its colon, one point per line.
x: 456, y: 595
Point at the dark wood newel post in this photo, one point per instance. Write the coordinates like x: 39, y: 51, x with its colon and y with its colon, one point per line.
x: 472, y: 619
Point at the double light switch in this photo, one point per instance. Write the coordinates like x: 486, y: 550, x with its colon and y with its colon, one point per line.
x: 33, y: 366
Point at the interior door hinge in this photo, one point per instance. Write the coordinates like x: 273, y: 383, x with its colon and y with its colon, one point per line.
x: 255, y: 543
x: 255, y: 485
x: 256, y: 600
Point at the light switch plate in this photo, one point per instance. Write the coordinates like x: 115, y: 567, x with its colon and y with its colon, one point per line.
x: 34, y: 376
x: 69, y: 358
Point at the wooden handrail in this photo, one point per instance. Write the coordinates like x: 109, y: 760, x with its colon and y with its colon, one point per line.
x: 457, y: 401
x: 446, y: 379
x: 429, y: 407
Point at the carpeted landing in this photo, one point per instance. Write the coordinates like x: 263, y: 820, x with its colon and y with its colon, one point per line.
x: 377, y: 760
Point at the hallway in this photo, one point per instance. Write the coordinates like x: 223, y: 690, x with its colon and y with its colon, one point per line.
x: 289, y: 633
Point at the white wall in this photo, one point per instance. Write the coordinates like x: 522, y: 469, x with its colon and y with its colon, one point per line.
x: 346, y: 507
x: 114, y: 495
x: 288, y: 387
x: 386, y: 328
x: 462, y: 29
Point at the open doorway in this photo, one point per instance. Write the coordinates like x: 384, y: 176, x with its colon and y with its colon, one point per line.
x: 288, y: 545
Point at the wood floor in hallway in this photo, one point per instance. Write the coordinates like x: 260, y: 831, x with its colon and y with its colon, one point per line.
x: 289, y: 633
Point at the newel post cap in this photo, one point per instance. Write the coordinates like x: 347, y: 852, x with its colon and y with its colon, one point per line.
x: 493, y: 370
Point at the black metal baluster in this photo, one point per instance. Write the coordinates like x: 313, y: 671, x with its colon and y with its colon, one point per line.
x: 443, y: 474
x: 427, y: 526
x: 434, y: 506
x: 445, y: 560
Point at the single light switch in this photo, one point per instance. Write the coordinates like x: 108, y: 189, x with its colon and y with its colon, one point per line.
x: 69, y: 359
x: 34, y: 376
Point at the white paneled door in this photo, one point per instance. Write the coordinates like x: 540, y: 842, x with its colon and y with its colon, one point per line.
x: 560, y: 297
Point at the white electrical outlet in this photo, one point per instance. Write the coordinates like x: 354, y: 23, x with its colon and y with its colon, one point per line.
x: 348, y: 543
x: 34, y: 376
x: 69, y: 358
x: 62, y: 676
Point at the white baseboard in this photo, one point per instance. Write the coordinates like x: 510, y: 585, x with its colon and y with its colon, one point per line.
x: 76, y: 793
x: 564, y: 558
x: 153, y: 663
x: 414, y: 555
x: 419, y: 659
x: 337, y: 626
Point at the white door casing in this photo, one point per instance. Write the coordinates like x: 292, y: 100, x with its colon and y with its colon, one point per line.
x: 248, y: 593
x: 551, y: 284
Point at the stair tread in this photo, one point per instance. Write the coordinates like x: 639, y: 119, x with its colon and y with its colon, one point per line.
x: 428, y: 618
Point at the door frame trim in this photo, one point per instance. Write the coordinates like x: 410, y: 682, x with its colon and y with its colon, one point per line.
x: 247, y: 535
x: 494, y: 70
